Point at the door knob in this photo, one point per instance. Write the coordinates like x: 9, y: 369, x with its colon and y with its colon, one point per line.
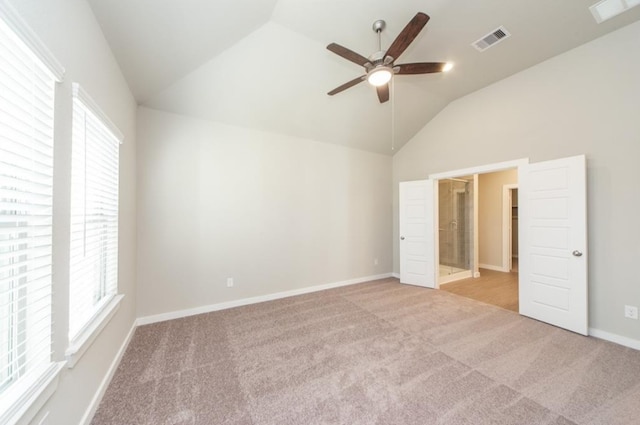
x: 401, y: 238
x: 577, y: 253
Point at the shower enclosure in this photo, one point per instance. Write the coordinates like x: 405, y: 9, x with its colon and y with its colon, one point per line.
x: 455, y: 224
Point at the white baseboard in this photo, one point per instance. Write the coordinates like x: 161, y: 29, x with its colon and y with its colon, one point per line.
x: 492, y: 267
x: 95, y: 401
x: 146, y: 320
x: 618, y: 339
x: 396, y: 275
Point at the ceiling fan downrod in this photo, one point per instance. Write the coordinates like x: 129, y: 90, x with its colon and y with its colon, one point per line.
x: 378, y: 26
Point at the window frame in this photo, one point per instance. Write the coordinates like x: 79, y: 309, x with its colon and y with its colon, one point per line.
x: 109, y: 304
x: 28, y: 393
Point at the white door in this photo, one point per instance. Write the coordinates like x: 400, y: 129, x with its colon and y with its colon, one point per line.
x: 553, y: 242
x: 417, y: 236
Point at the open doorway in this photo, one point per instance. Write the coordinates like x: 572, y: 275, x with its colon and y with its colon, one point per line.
x: 493, y: 215
x: 552, y: 249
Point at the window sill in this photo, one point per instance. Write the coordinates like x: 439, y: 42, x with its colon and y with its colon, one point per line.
x: 29, y: 399
x: 79, y: 345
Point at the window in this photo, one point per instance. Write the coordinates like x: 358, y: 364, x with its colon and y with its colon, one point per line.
x: 94, y: 213
x: 27, y: 88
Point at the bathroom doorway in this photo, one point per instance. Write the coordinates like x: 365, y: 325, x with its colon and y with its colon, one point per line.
x: 478, y: 225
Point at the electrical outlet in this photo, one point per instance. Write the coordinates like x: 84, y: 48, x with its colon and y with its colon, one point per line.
x: 631, y: 312
x: 375, y: 262
x: 229, y: 282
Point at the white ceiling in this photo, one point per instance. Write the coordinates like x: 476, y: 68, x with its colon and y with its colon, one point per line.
x: 262, y: 64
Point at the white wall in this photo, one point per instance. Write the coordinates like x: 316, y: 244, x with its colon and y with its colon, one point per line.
x: 70, y: 31
x: 274, y: 212
x: 490, y: 216
x: 585, y: 101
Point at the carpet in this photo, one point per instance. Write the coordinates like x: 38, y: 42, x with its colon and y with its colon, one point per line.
x: 373, y: 353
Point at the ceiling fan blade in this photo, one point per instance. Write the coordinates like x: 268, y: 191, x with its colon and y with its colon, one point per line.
x: 408, y: 34
x: 347, y: 54
x: 347, y: 85
x: 383, y: 93
x: 421, y: 67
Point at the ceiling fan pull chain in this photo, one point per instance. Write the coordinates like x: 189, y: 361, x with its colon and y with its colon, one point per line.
x: 393, y: 115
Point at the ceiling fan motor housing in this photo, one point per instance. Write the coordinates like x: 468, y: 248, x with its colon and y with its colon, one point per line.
x: 376, y: 58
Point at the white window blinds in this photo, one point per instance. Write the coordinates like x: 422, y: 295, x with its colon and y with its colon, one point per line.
x: 26, y: 176
x: 94, y: 213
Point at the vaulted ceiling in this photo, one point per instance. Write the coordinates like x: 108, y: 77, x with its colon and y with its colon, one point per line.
x: 263, y: 64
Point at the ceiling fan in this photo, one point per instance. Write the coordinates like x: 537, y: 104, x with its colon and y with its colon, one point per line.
x: 380, y: 66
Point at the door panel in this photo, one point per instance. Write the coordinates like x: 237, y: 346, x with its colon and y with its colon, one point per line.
x: 417, y: 240
x: 553, y: 281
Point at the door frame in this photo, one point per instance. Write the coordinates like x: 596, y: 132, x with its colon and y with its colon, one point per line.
x: 507, y: 248
x: 475, y: 171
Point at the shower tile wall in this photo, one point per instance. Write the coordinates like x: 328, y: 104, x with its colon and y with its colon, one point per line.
x: 455, y: 224
x: 445, y: 210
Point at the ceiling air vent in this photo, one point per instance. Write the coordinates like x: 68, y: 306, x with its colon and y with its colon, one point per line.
x: 490, y: 39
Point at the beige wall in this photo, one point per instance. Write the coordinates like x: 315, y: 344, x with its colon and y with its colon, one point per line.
x: 71, y: 32
x: 275, y: 213
x: 585, y: 101
x: 490, y: 186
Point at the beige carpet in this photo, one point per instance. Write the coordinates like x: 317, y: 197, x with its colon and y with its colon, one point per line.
x: 373, y: 353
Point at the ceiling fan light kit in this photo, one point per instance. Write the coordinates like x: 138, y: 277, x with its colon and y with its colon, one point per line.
x: 380, y: 67
x: 379, y: 76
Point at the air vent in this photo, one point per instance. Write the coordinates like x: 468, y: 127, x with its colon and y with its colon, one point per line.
x: 491, y: 39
